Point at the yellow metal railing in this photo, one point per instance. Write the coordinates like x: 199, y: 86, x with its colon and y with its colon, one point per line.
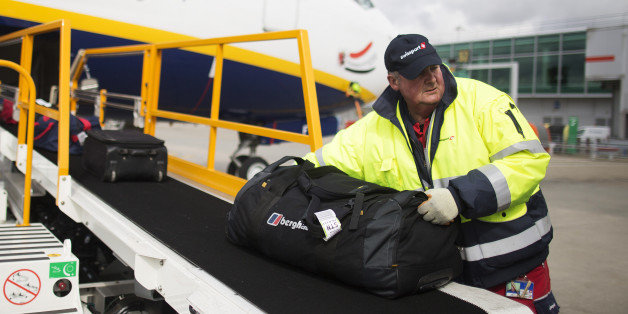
x: 77, y: 69
x: 151, y: 74
x: 26, y: 99
x: 30, y: 87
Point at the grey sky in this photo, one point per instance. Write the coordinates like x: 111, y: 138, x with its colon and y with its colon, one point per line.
x: 454, y: 20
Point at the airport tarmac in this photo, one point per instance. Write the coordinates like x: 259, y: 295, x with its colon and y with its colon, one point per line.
x: 589, y: 256
x: 587, y: 202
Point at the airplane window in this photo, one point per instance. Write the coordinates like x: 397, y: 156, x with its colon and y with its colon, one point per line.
x: 367, y: 4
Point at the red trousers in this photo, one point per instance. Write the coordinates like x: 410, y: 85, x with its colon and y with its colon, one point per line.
x: 543, y: 301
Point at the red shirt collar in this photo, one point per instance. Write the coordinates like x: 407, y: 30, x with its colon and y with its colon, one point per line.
x: 421, y: 130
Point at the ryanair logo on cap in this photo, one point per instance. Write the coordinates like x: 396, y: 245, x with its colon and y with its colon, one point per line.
x: 419, y: 47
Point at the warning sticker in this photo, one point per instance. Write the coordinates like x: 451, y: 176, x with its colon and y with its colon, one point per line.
x: 21, y: 287
x: 64, y: 269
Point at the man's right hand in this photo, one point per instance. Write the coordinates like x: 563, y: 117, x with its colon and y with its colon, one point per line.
x: 440, y: 207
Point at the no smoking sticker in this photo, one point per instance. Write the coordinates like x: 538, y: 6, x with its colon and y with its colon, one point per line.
x: 21, y: 287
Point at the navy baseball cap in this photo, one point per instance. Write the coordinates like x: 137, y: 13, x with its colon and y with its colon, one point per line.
x: 409, y: 55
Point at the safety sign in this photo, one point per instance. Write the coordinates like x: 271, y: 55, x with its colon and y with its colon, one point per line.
x: 21, y: 287
x: 61, y: 270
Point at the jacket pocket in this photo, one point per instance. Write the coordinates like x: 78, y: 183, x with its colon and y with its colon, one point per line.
x: 386, y: 174
x: 515, y: 122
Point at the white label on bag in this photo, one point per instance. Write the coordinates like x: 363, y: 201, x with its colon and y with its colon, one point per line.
x: 81, y: 137
x: 329, y: 222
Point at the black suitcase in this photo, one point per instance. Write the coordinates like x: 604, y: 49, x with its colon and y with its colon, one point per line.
x: 124, y: 155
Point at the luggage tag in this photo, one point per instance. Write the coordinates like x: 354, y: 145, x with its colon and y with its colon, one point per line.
x: 81, y: 137
x: 330, y: 223
x: 521, y: 288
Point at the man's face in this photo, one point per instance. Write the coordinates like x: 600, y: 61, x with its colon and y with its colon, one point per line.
x: 426, y: 89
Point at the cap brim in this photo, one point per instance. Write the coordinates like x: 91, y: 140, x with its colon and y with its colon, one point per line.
x: 413, y: 70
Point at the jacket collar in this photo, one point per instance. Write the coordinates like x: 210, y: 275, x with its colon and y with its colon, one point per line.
x: 386, y: 104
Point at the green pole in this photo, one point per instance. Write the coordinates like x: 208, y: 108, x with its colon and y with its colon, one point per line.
x: 572, y: 138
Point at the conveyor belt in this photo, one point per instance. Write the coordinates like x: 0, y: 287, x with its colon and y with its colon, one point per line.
x: 192, y: 223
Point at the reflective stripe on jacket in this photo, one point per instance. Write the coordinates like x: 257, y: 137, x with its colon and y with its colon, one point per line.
x: 479, y: 146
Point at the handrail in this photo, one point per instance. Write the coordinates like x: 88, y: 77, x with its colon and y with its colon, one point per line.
x: 35, y: 30
x: 231, y: 184
x: 63, y: 113
x: 101, y: 100
x: 26, y: 210
x: 84, y: 54
x: 151, y: 74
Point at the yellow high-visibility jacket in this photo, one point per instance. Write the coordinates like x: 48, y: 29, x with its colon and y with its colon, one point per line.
x: 482, y: 149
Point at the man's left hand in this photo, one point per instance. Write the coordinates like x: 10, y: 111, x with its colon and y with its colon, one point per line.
x: 440, y: 207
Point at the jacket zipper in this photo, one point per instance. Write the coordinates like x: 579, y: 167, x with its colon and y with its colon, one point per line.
x: 514, y: 120
x: 428, y: 145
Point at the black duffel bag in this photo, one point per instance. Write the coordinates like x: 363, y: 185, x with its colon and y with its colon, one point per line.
x: 384, y: 246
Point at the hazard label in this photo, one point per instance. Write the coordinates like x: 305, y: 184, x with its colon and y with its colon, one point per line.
x: 21, y: 287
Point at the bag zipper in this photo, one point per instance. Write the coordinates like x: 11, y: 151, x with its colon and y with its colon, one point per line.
x: 397, y: 226
x: 320, y: 191
x: 331, y: 194
x: 514, y: 120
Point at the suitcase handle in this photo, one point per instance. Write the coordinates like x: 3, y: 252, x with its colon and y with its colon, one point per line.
x: 137, y: 152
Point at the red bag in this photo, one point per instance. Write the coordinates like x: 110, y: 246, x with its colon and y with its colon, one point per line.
x: 6, y: 115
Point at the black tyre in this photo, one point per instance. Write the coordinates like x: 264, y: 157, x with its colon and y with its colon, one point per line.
x: 126, y: 304
x: 251, y: 166
x: 232, y: 169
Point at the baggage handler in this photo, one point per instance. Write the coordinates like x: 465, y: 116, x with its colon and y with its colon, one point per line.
x: 467, y: 145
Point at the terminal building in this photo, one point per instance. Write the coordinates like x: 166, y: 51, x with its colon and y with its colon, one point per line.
x: 576, y: 74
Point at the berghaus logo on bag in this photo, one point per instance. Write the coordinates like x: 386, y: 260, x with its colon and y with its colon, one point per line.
x: 274, y: 219
x: 278, y: 220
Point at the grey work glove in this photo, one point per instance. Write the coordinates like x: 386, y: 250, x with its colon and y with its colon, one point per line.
x: 440, y: 207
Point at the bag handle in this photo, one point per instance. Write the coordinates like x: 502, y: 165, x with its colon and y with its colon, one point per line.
x: 316, y: 230
x: 300, y: 161
x: 40, y: 135
x: 86, y: 124
x: 356, y: 211
x: 281, y: 183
